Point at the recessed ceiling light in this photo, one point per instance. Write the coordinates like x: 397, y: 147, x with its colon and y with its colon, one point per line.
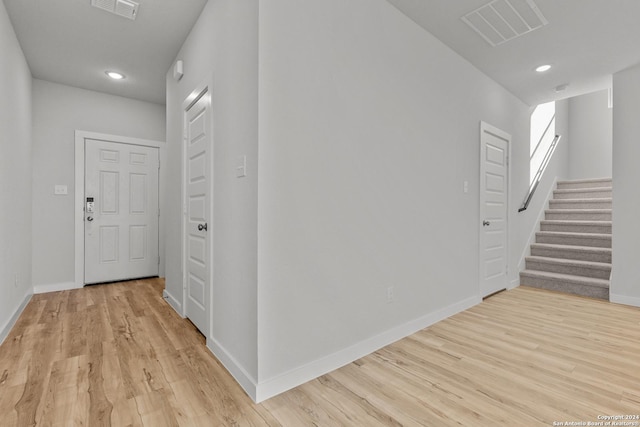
x: 543, y: 68
x: 114, y: 75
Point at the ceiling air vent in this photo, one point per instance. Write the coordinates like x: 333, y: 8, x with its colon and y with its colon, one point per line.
x: 502, y: 20
x: 124, y: 8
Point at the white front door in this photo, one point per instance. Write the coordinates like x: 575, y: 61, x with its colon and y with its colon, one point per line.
x: 121, y: 211
x: 197, y: 167
x: 493, y: 209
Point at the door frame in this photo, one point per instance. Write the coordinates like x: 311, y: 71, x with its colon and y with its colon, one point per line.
x: 487, y: 128
x: 202, y: 89
x: 80, y: 138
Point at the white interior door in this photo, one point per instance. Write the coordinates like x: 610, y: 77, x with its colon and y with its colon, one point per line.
x: 121, y: 211
x: 493, y: 209
x: 197, y: 166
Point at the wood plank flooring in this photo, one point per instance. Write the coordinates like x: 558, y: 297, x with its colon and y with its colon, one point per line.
x: 118, y: 355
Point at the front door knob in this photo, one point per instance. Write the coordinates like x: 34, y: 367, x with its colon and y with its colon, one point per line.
x: 202, y: 227
x: 486, y: 223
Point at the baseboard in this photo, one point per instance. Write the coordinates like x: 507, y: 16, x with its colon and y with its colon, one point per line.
x: 55, y: 287
x: 4, y: 332
x: 293, y: 378
x: 173, y: 302
x: 626, y: 300
x: 514, y: 283
x: 246, y: 381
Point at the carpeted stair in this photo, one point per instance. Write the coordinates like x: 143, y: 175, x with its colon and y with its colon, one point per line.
x: 572, y: 252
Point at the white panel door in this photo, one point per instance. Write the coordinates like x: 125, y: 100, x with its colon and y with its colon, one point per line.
x: 198, y: 145
x: 121, y: 227
x: 493, y: 209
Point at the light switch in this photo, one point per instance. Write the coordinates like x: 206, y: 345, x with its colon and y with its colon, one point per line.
x: 241, y: 167
x: 60, y: 190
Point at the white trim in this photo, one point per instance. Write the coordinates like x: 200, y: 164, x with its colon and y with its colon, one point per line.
x: 80, y: 137
x: 624, y: 299
x: 205, y: 88
x: 242, y: 377
x: 487, y: 128
x: 55, y: 287
x: 173, y: 302
x: 293, y: 378
x: 4, y: 332
x: 536, y: 227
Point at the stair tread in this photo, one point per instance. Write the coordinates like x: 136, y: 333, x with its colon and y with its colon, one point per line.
x: 571, y: 247
x: 576, y: 221
x: 572, y: 262
x: 584, y: 199
x: 583, y: 280
x: 590, y: 210
x: 591, y: 199
x: 582, y: 181
x: 583, y: 190
x: 574, y: 234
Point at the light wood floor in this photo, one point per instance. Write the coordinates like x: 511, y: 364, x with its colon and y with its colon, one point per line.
x: 119, y: 355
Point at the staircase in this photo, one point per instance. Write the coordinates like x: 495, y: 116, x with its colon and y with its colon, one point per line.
x: 572, y: 252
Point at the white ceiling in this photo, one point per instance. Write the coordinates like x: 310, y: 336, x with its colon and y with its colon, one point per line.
x: 70, y: 42
x: 586, y: 41
x: 73, y: 43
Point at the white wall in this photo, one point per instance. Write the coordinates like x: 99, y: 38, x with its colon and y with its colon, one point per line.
x: 625, y: 283
x: 15, y: 176
x: 222, y: 49
x: 58, y: 111
x: 368, y: 127
x: 527, y: 222
x: 590, y: 121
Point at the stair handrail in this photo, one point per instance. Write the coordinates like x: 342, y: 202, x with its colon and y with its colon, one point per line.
x: 540, y: 172
x: 535, y: 150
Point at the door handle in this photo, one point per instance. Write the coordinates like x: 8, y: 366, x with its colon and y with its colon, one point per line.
x: 89, y: 218
x: 202, y: 227
x: 486, y: 223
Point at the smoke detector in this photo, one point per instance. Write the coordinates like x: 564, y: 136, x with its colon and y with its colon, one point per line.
x: 125, y: 8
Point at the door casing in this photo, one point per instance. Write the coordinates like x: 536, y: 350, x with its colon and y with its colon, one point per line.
x: 487, y: 128
x: 203, y: 89
x: 80, y: 137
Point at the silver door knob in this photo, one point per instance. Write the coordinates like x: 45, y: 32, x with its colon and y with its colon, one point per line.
x: 89, y: 218
x: 202, y: 227
x: 486, y: 223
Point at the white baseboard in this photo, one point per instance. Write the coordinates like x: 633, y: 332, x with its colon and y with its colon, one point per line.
x: 173, y: 302
x: 4, y: 332
x: 246, y: 381
x: 626, y: 300
x: 293, y: 378
x: 55, y: 287
x: 514, y: 284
